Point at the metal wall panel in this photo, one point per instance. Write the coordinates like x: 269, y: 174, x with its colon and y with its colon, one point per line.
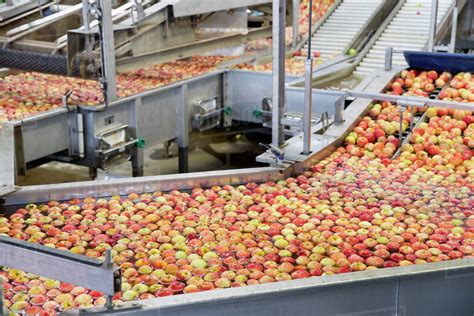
x: 98, y: 121
x: 442, y: 288
x: 156, y: 117
x: 7, y: 155
x: 45, y: 137
x: 247, y: 89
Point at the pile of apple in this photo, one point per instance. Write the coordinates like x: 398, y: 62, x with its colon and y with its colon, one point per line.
x: 29, y: 93
x: 418, y: 83
x: 293, y: 66
x: 446, y: 140
x: 376, y: 135
x: 461, y: 88
x: 320, y: 7
x: 352, y: 211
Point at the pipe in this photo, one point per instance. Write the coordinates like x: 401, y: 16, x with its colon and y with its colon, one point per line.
x: 278, y: 73
x: 432, y: 30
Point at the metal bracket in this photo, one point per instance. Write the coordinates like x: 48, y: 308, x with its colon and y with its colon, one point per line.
x: 7, y: 189
x: 275, y: 151
x: 65, y: 98
x: 207, y: 114
x: 137, y: 6
x: 114, y: 146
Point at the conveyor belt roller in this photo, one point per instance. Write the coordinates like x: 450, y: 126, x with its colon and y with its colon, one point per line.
x: 407, y: 31
x: 338, y: 31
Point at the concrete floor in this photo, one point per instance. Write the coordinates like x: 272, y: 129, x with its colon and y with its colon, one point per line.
x: 207, y: 154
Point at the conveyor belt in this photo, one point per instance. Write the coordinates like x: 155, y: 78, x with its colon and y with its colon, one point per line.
x: 18, y: 59
x: 407, y: 31
x: 339, y: 30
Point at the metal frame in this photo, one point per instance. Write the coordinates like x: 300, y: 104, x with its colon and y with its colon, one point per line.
x: 104, y: 188
x: 11, y: 9
x: 68, y: 267
x: 238, y: 91
x: 146, y: 114
x: 109, y: 80
x: 278, y: 73
x: 392, y: 291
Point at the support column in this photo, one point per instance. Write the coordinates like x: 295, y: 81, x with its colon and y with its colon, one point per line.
x: 137, y: 151
x: 454, y: 30
x: 278, y: 76
x: 183, y: 130
x: 308, y: 89
x: 295, y: 20
x: 308, y: 103
x: 108, y: 50
x: 432, y: 30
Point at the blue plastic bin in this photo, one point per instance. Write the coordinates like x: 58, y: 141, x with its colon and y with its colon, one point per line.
x: 453, y: 63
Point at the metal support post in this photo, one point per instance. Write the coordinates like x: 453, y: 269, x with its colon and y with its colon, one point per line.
x: 108, y: 264
x: 470, y: 9
x: 86, y: 10
x: 412, y: 116
x: 308, y: 102
x: 295, y: 22
x: 308, y: 90
x: 454, y: 29
x: 388, y: 58
x: 108, y: 50
x: 137, y: 162
x: 432, y: 30
x: 339, y: 110
x: 227, y: 91
x: 139, y: 8
x: 183, y: 130
x: 278, y: 75
x: 92, y: 173
x: 137, y: 150
x: 85, y: 15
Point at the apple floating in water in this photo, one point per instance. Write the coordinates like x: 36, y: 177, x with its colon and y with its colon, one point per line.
x: 355, y: 210
x: 30, y: 93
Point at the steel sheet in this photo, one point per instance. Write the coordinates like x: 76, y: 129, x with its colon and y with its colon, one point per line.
x: 442, y: 288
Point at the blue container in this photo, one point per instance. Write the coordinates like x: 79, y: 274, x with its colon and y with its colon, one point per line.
x: 453, y: 63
